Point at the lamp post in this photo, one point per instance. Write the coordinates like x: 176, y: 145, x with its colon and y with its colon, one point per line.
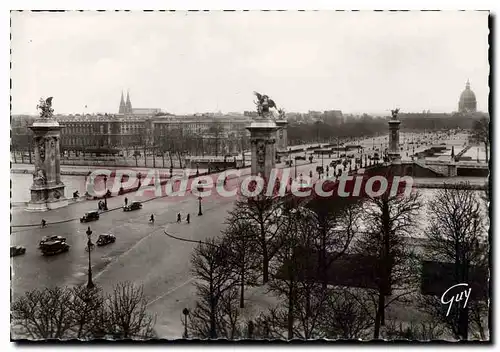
x: 90, y: 284
x: 295, y: 167
x: 185, y: 311
x: 200, y: 189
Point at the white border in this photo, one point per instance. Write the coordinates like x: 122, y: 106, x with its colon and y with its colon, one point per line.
x: 179, y: 5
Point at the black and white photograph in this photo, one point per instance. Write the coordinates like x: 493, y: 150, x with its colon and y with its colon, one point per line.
x: 250, y: 176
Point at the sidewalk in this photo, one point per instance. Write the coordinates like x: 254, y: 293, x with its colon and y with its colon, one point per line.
x: 84, y: 170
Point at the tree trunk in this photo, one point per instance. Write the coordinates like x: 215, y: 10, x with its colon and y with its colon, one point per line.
x: 242, y: 287
x: 290, y: 310
x: 29, y: 154
x: 171, y: 159
x: 463, y: 323
x: 180, y: 161
x: 380, y: 307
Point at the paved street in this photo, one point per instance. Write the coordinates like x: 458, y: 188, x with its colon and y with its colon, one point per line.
x: 142, y: 253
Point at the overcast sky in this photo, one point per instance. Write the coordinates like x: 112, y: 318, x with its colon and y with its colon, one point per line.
x: 205, y: 62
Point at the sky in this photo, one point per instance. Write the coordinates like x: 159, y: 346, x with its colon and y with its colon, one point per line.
x: 357, y: 62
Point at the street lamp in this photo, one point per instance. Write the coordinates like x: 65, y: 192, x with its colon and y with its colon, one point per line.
x: 185, y: 311
x: 90, y: 284
x: 200, y: 189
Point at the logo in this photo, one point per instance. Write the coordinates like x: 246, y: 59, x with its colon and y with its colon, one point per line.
x: 455, y: 294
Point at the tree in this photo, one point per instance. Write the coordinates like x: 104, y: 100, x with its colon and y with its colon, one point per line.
x: 303, y: 296
x: 215, y: 280
x: 481, y: 133
x: 238, y: 239
x: 84, y: 305
x: 261, y: 213
x: 78, y: 312
x: 389, y: 220
x: 457, y: 235
x: 125, y: 313
x: 43, y: 314
x: 334, y: 224
x: 346, y: 314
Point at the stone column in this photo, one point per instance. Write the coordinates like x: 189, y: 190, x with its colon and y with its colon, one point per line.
x: 282, y: 137
x: 47, y: 190
x: 394, y: 152
x: 263, y: 147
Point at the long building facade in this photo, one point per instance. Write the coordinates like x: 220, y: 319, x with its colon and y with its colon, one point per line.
x: 103, y: 134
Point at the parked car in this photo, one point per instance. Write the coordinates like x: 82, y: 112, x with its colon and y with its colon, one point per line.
x: 299, y: 157
x: 90, y: 216
x: 105, y: 239
x: 54, y: 247
x: 133, y: 206
x: 51, y: 238
x: 17, y: 250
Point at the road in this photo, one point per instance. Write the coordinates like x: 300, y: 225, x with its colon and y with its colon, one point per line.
x: 142, y: 253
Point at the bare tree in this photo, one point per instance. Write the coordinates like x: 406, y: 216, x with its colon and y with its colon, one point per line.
x: 262, y: 214
x: 481, y: 133
x: 44, y: 314
x: 302, y: 295
x: 243, y: 259
x: 214, y: 279
x: 389, y: 221
x: 126, y: 315
x: 84, y: 306
x: 346, y: 314
x: 457, y: 235
x: 335, y: 224
x: 422, y: 331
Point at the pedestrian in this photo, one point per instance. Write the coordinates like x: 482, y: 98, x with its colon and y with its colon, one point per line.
x: 126, y: 201
x: 152, y: 219
x: 187, y: 218
x: 178, y: 217
x: 310, y: 174
x: 44, y: 223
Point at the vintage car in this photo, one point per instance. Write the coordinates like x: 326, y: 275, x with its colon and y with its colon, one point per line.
x: 105, y: 239
x: 299, y: 157
x: 54, y: 247
x: 90, y: 216
x: 132, y: 206
x: 17, y: 250
x: 51, y: 238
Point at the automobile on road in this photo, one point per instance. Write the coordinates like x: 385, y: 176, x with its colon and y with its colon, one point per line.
x: 105, y: 238
x: 133, y: 206
x: 90, y: 216
x: 54, y: 247
x: 51, y: 238
x: 17, y: 250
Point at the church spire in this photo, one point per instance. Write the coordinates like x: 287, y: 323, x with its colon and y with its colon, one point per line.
x: 467, y: 85
x: 122, y: 108
x: 128, y: 103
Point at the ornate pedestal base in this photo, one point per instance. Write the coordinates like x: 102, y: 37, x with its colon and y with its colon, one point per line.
x: 263, y: 139
x: 45, y: 198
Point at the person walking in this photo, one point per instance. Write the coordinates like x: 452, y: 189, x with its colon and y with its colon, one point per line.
x: 44, y: 223
x: 126, y: 201
x: 178, y: 217
x: 187, y: 218
x: 152, y: 219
